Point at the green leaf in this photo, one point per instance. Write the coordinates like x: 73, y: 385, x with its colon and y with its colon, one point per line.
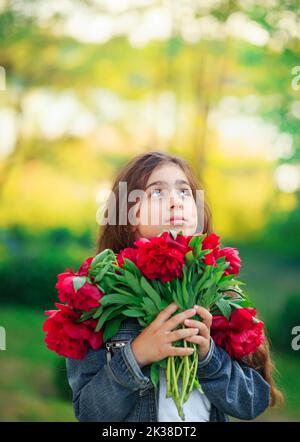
x: 189, y: 257
x: 149, y: 305
x: 106, y: 254
x: 178, y: 300
x: 86, y: 315
x: 78, y: 282
x: 224, y: 307
x: 217, y: 276
x: 196, y: 243
x: 150, y: 291
x: 115, y: 298
x: 154, y: 374
x: 241, y: 302
x: 239, y: 282
x: 163, y: 304
x: 209, y: 297
x: 125, y: 292
x: 178, y: 289
x: 204, y: 278
x: 106, y: 315
x: 130, y: 266
x: 112, y: 327
x: 133, y: 282
x: 98, y: 312
x: 133, y: 313
x: 184, y: 289
x: 101, y: 273
x: 225, y: 280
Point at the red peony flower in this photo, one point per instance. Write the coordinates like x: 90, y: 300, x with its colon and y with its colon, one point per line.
x: 180, y: 243
x: 232, y: 256
x: 161, y: 257
x: 83, y: 270
x: 239, y: 336
x: 68, y: 338
x: 87, y: 297
x: 211, y: 241
x: 129, y: 253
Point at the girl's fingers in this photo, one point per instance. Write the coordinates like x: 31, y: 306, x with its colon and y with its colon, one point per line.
x: 165, y: 314
x: 182, y: 333
x: 203, y: 330
x: 205, y: 315
x: 181, y: 351
x: 200, y: 340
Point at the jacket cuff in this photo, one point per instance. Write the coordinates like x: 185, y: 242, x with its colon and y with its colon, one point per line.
x: 212, y: 363
x: 126, y: 370
x: 205, y: 361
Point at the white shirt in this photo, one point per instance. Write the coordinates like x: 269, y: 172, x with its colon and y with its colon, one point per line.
x: 196, y: 408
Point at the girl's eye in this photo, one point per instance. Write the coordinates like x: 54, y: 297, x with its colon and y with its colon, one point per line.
x: 164, y: 193
x: 187, y: 191
x: 156, y: 192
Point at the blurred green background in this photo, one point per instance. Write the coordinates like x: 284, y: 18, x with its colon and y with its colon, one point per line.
x: 87, y: 85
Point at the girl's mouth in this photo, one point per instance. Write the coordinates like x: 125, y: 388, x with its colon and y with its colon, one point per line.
x: 177, y: 221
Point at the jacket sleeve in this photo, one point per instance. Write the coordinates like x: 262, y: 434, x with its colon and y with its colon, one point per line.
x: 233, y: 387
x: 105, y: 391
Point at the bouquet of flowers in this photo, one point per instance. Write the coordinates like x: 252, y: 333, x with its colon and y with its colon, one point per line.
x: 141, y: 281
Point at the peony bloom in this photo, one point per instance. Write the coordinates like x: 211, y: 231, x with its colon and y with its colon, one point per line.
x: 212, y: 242
x: 232, y: 256
x: 86, y: 298
x: 161, y: 257
x: 239, y: 336
x: 83, y: 270
x: 68, y: 338
x: 129, y: 253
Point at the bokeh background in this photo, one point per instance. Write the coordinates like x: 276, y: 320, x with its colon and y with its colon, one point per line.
x: 87, y: 85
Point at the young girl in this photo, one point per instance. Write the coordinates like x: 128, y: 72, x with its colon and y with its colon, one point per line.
x: 117, y: 387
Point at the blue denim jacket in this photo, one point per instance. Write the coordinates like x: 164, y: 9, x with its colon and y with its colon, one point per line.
x: 115, y: 389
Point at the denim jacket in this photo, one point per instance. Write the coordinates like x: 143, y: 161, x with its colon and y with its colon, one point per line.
x: 113, y: 388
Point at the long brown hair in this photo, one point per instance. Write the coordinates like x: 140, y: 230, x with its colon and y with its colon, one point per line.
x: 118, y: 236
x: 263, y: 362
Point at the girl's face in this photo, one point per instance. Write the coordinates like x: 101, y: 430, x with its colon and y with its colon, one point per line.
x: 167, y: 203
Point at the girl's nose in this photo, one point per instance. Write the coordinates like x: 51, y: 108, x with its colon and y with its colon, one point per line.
x: 175, y: 199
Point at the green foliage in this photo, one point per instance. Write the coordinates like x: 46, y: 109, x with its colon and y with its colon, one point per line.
x: 287, y: 318
x: 29, y: 268
x: 63, y: 388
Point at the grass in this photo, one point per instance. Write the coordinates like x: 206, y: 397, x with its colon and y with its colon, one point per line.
x: 28, y: 389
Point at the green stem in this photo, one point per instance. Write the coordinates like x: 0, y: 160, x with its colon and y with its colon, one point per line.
x: 186, y: 375
x: 194, y: 368
x: 168, y: 376
x: 179, y: 369
x: 174, y: 384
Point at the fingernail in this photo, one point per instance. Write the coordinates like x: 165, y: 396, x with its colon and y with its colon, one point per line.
x: 196, y: 306
x: 187, y: 321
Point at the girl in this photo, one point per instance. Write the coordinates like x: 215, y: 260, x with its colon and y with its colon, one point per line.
x: 118, y: 387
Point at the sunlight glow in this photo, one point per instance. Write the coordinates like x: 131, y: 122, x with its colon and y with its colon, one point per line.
x: 287, y: 177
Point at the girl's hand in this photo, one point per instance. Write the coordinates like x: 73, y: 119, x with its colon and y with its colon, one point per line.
x: 203, y: 337
x: 155, y: 341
